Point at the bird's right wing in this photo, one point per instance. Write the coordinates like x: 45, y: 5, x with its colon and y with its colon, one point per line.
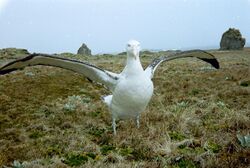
x: 92, y: 72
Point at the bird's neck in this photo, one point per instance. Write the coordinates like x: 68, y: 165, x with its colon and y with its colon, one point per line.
x: 133, y: 66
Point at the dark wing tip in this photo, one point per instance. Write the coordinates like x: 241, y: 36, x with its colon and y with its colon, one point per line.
x: 212, y: 61
x: 3, y: 72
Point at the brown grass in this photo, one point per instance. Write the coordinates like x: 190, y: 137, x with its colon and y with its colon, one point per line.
x: 192, y: 120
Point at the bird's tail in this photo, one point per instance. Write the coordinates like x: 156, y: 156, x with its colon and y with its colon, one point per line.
x: 107, y: 99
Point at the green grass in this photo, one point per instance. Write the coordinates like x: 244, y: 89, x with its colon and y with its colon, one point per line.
x: 55, y: 118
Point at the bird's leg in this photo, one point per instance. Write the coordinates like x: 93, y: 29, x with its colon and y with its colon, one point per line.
x: 138, y: 121
x: 114, y: 125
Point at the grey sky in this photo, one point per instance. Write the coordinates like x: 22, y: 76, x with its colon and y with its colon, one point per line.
x: 54, y: 26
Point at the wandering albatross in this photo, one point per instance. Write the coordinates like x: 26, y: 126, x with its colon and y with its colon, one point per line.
x: 131, y: 89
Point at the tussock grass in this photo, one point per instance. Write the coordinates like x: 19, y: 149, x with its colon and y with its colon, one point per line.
x: 55, y: 118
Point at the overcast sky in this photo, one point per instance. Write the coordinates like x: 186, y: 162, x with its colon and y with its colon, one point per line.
x: 55, y: 26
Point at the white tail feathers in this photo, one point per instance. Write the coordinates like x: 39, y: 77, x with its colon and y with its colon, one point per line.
x: 107, y: 99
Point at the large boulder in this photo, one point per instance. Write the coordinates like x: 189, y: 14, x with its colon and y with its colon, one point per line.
x: 84, y: 50
x: 232, y: 40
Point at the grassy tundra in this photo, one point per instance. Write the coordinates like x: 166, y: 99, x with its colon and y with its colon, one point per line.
x: 50, y: 117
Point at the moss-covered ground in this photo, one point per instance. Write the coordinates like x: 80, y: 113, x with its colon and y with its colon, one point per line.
x: 50, y: 117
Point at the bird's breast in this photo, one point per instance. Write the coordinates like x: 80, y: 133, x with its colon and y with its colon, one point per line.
x: 131, y: 96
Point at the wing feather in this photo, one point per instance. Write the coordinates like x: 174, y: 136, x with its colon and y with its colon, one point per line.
x: 92, y: 72
x: 200, y: 54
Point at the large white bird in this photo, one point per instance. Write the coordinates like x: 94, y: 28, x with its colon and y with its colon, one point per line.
x: 131, y: 90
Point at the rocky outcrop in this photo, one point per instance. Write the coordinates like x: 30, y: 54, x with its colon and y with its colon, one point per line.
x: 84, y: 50
x: 232, y: 40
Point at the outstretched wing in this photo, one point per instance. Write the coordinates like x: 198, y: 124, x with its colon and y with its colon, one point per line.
x: 203, y: 55
x: 90, y: 71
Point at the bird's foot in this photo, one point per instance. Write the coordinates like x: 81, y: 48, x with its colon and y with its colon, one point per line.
x: 138, y: 121
x: 114, y: 126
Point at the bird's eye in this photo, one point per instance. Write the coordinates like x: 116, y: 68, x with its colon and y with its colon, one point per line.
x: 129, y: 45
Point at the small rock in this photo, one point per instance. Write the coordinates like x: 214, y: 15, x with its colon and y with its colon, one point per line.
x: 84, y: 50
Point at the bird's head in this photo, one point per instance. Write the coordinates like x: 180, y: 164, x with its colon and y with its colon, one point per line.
x: 133, y: 49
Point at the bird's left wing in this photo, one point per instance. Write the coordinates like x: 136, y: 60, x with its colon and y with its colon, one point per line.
x: 200, y: 54
x: 92, y: 72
